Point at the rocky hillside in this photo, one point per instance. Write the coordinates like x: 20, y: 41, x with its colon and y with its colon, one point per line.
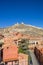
x: 23, y: 28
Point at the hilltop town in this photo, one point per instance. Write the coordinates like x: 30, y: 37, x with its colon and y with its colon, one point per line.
x: 17, y: 42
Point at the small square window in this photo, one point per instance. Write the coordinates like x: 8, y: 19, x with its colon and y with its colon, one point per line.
x: 7, y: 47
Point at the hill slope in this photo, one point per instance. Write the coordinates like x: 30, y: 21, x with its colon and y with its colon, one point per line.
x: 27, y: 29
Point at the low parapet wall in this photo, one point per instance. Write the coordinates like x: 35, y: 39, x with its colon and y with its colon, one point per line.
x: 39, y: 54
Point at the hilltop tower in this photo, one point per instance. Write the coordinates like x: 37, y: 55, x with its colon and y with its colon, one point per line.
x: 17, y: 23
x: 22, y: 23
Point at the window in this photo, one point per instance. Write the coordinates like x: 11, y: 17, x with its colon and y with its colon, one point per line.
x: 15, y: 62
x: 0, y: 45
x: 36, y: 42
x: 7, y: 47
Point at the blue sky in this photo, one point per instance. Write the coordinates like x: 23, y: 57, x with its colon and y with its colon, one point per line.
x: 28, y: 11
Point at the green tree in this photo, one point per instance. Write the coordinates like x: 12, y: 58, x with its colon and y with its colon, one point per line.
x: 23, y: 45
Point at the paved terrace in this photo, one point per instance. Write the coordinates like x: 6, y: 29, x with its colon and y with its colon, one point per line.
x: 34, y: 59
